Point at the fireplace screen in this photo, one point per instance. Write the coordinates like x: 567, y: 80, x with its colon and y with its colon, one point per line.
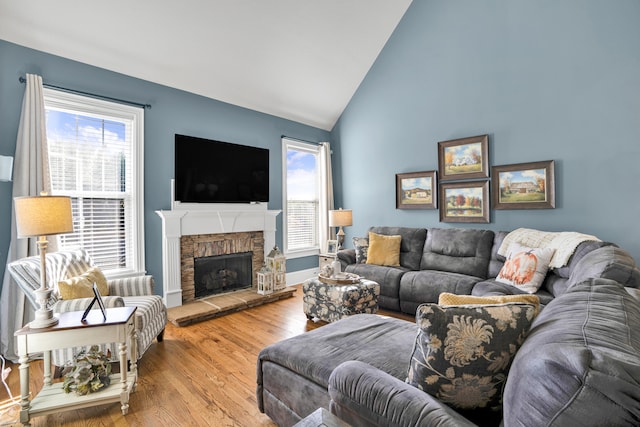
x: 222, y: 273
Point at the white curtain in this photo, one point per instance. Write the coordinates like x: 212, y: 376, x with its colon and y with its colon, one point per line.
x: 30, y: 177
x: 326, y: 202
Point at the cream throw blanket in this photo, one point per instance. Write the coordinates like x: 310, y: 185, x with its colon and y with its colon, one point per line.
x: 564, y: 243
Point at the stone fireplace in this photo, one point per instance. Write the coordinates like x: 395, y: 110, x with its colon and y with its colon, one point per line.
x: 192, y: 230
x: 215, y: 263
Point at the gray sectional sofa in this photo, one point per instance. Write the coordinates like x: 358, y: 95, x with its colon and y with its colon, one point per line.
x: 579, y: 363
x: 466, y: 262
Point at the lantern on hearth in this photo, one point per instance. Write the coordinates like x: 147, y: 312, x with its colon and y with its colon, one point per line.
x: 265, y: 280
x: 276, y: 261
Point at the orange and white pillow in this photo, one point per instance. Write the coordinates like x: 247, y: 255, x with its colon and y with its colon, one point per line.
x: 525, y: 268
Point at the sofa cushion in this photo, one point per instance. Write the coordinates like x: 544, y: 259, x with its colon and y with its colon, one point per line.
x: 457, y: 250
x: 581, y: 359
x: 417, y: 287
x: 525, y: 268
x: 384, y: 250
x: 82, y: 286
x: 462, y: 354
x: 411, y: 245
x: 492, y: 287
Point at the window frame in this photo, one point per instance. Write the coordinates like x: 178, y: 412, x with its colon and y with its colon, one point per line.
x: 314, y: 149
x: 91, y: 106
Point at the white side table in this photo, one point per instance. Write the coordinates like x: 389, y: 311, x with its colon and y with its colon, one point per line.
x: 325, y: 259
x: 71, y: 332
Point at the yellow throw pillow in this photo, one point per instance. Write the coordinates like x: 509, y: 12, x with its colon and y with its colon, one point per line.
x: 384, y: 250
x: 82, y: 286
x: 447, y: 299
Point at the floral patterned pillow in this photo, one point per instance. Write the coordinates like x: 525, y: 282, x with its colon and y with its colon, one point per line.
x: 462, y: 354
x: 362, y: 248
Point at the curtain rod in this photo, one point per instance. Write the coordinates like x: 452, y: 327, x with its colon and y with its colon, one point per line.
x: 300, y: 140
x: 79, y: 92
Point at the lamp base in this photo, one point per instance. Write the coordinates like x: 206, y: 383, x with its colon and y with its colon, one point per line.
x: 46, y: 321
x: 340, y: 237
x: 44, y: 315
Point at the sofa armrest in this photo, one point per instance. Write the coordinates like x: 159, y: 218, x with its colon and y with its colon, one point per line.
x: 81, y: 304
x: 607, y: 262
x: 131, y: 286
x: 346, y: 257
x: 366, y: 396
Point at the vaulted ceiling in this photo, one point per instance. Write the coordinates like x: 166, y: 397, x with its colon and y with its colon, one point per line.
x: 297, y: 59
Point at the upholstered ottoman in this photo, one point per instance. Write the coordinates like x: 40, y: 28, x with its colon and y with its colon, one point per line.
x: 330, y: 302
x: 293, y: 374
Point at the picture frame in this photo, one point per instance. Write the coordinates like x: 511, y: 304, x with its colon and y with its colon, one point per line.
x: 332, y: 247
x: 464, y: 158
x: 524, y: 185
x: 464, y: 201
x: 97, y: 298
x: 416, y: 190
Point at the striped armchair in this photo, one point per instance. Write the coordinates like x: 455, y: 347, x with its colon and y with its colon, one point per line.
x: 151, y: 313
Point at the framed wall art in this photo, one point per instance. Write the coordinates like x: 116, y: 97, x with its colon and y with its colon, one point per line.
x: 465, y: 158
x: 416, y: 190
x: 464, y: 201
x: 524, y: 186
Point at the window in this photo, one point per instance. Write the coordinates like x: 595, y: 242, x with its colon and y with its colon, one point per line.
x: 304, y: 194
x: 95, y: 151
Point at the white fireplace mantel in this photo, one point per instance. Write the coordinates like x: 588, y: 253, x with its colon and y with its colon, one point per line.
x: 195, y: 219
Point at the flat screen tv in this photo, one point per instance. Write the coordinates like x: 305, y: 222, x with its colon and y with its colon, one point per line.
x: 208, y: 171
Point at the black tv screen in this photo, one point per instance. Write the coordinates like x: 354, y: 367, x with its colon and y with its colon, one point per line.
x: 208, y: 171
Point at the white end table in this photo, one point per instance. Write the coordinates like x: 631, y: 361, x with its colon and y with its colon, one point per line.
x: 72, y: 332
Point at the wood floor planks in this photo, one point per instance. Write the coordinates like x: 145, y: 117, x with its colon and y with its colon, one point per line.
x: 203, y: 374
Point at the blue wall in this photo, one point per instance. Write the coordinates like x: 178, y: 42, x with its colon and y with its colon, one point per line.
x: 173, y: 111
x: 546, y: 79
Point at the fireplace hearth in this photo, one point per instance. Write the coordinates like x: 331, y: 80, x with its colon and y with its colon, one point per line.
x: 222, y: 273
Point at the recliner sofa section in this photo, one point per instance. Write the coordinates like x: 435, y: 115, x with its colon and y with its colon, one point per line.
x: 411, y: 247
x: 466, y: 262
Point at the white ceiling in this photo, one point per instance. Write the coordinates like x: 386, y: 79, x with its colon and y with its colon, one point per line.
x: 298, y: 59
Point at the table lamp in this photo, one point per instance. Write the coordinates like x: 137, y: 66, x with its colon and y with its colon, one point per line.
x: 42, y: 216
x: 340, y: 218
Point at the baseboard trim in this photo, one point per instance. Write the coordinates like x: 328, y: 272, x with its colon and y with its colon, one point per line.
x: 297, y: 277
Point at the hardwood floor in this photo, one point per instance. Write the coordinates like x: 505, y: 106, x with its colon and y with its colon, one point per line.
x: 200, y: 375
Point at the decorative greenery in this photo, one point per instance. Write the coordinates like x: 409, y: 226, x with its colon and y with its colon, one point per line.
x: 89, y: 372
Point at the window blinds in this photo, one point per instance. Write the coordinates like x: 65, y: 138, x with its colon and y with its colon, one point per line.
x: 91, y: 160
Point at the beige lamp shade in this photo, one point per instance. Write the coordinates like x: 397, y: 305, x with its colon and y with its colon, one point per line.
x: 340, y: 218
x: 43, y: 215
